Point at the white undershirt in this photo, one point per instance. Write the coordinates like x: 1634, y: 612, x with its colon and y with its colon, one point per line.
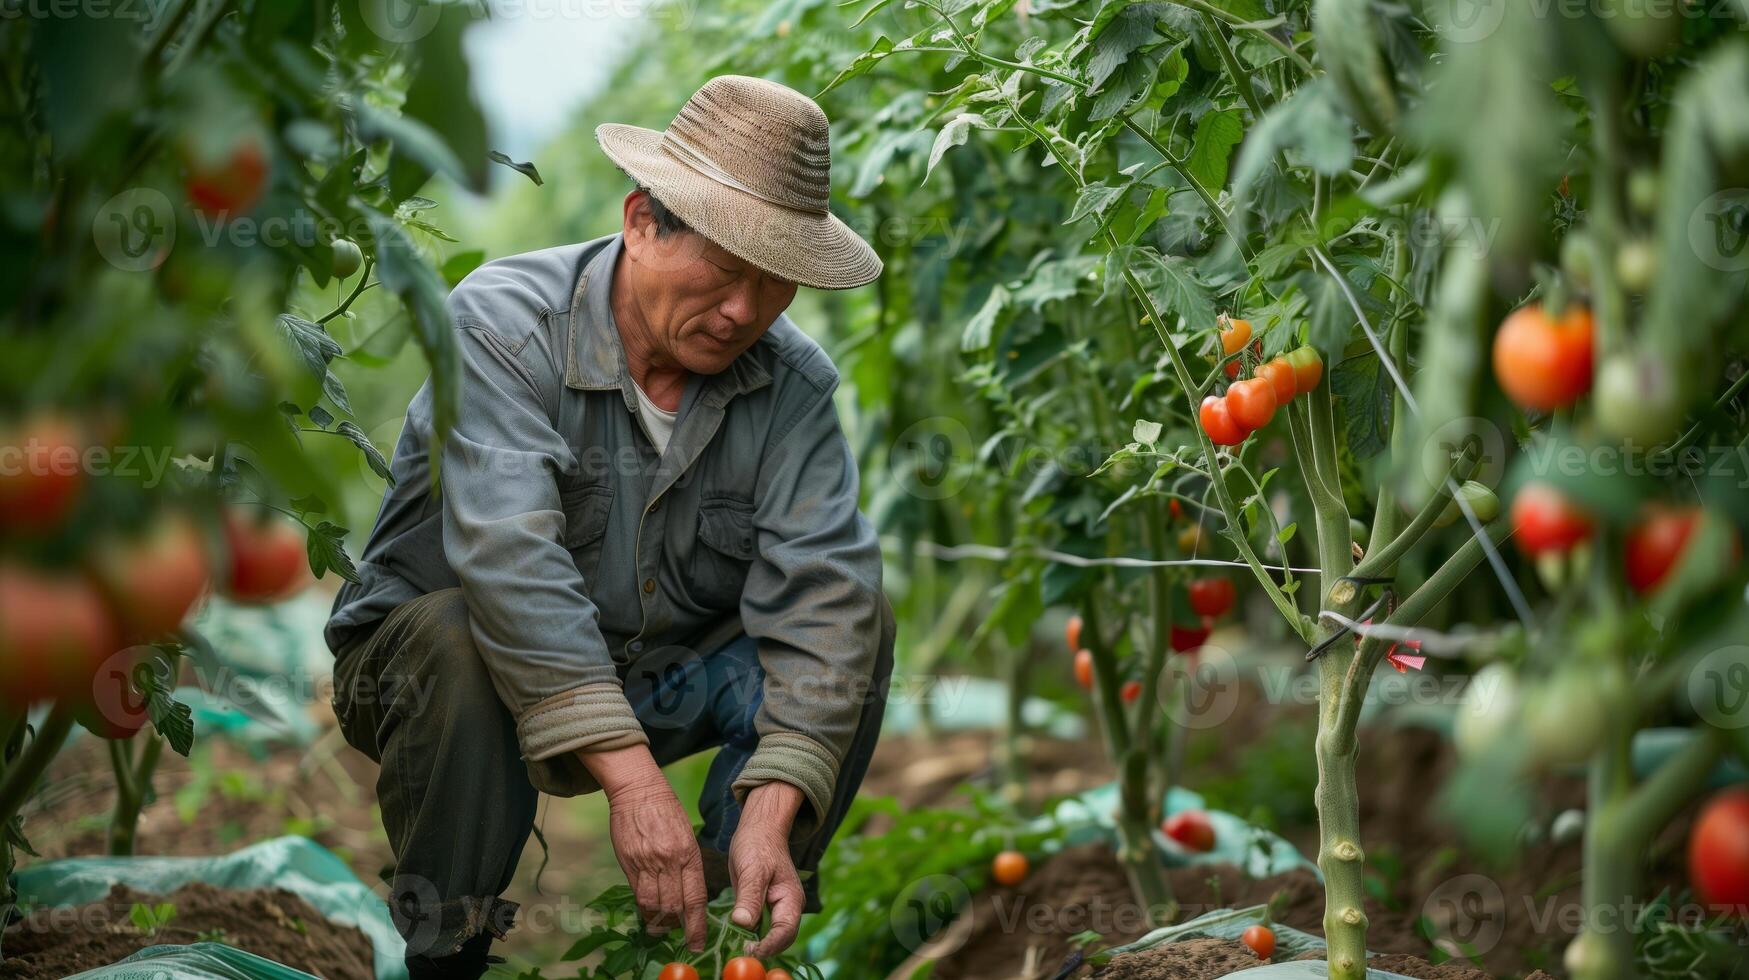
x: 658, y: 422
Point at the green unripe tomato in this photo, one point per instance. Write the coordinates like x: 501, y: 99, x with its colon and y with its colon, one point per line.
x: 347, y: 257
x: 1636, y: 399
x: 1489, y: 711
x: 1481, y: 499
x: 1643, y: 191
x: 1576, y: 260
x: 1564, y: 718
x: 1635, y: 264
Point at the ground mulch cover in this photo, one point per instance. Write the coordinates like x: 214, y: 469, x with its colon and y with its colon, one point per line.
x: 268, y: 922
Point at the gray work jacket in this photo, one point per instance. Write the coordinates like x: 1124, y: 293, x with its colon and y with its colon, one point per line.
x: 585, y: 556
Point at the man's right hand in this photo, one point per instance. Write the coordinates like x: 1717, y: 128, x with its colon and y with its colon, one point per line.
x: 652, y: 838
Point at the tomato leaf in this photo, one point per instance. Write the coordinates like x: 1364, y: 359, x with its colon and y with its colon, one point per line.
x: 170, y: 717
x: 327, y: 550
x: 1216, y: 135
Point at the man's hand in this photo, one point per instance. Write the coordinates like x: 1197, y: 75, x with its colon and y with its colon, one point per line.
x: 761, y: 870
x: 653, y: 841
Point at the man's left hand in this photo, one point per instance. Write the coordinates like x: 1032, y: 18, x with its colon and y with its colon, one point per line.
x: 761, y: 870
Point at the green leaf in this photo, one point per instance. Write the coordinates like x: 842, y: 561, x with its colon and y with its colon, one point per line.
x: 1286, y: 534
x: 1145, y: 432
x: 170, y: 717
x: 441, y: 99
x: 1308, y: 121
x: 405, y: 273
x: 419, y: 151
x: 953, y: 134
x: 1131, y: 29
x: 980, y: 328
x: 310, y: 342
x: 1095, y: 199
x: 430, y: 229
x: 319, y: 417
x: 327, y: 550
x: 1174, y: 285
x: 863, y: 63
x: 1349, y: 48
x: 456, y: 267
x: 591, y: 942
x: 1364, y: 392
x: 378, y: 465
x: 526, y: 169
x: 1216, y: 135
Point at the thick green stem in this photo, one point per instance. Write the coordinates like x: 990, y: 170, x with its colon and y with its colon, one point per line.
x: 1340, y: 856
x: 1382, y: 560
x: 1241, y: 78
x: 22, y: 774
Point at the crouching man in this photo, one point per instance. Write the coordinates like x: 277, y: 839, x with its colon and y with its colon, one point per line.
x: 644, y: 543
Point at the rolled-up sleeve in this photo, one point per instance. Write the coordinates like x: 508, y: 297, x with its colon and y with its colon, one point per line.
x: 813, y: 602
x: 503, y: 528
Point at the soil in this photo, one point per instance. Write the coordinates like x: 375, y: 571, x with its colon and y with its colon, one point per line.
x: 269, y: 922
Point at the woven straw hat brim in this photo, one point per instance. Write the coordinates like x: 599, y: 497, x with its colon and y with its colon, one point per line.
x: 816, y: 250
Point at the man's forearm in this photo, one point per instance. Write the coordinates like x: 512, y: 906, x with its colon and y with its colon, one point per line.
x: 623, y: 772
x: 772, y: 807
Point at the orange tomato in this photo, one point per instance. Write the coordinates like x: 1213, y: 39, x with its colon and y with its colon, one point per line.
x: 1084, y: 668
x: 1217, y: 420
x: 678, y: 971
x: 1252, y: 403
x: 1280, y: 375
x: 1543, y: 362
x: 778, y: 974
x: 1235, y: 334
x: 1072, y: 632
x: 1308, y: 368
x: 1261, y: 939
x: 1130, y: 691
x: 41, y: 473
x: 743, y: 968
x: 1009, y: 868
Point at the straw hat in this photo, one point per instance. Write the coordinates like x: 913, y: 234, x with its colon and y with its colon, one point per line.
x: 746, y: 164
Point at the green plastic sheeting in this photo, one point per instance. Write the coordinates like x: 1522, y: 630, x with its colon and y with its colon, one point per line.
x: 195, y: 961
x: 297, y: 864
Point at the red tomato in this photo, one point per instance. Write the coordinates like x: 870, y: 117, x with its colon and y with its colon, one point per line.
x: 1718, y: 851
x: 1009, y: 868
x: 1543, y: 520
x: 54, y: 632
x: 1192, y: 830
x: 1261, y: 939
x: 41, y: 472
x: 1130, y: 691
x: 778, y: 974
x: 1084, y: 668
x: 117, y: 707
x: 1280, y: 375
x: 1252, y: 403
x: 268, y: 560
x: 1184, y: 639
x: 1218, y: 422
x: 154, y: 580
x: 1232, y: 367
x: 1544, y: 363
x: 1072, y: 632
x: 230, y: 182
x: 1308, y: 368
x: 743, y: 968
x: 677, y: 971
x: 1212, y: 596
x: 1174, y: 508
x: 1655, y: 544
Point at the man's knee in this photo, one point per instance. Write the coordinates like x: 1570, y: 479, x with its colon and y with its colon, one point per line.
x: 440, y: 667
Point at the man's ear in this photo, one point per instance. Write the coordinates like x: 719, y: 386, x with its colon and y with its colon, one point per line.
x: 638, y: 221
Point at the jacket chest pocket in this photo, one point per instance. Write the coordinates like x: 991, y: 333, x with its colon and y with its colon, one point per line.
x: 587, y: 510
x: 723, y: 554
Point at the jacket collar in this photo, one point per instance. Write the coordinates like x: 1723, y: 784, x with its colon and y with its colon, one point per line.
x: 596, y: 359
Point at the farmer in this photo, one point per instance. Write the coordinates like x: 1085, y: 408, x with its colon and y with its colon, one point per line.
x: 644, y: 543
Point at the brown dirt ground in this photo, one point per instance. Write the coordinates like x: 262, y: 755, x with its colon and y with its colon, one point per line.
x: 1207, y: 959
x: 268, y: 922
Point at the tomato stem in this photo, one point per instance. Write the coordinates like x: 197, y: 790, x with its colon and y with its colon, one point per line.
x: 22, y: 775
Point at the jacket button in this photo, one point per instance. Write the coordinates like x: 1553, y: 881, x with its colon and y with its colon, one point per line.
x: 636, y: 646
x: 649, y: 585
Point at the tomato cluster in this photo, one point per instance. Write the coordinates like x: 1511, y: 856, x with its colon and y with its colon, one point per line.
x: 1250, y: 404
x: 68, y: 632
x: 1546, y: 523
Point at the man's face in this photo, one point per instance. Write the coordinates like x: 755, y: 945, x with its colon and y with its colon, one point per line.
x: 703, y: 306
